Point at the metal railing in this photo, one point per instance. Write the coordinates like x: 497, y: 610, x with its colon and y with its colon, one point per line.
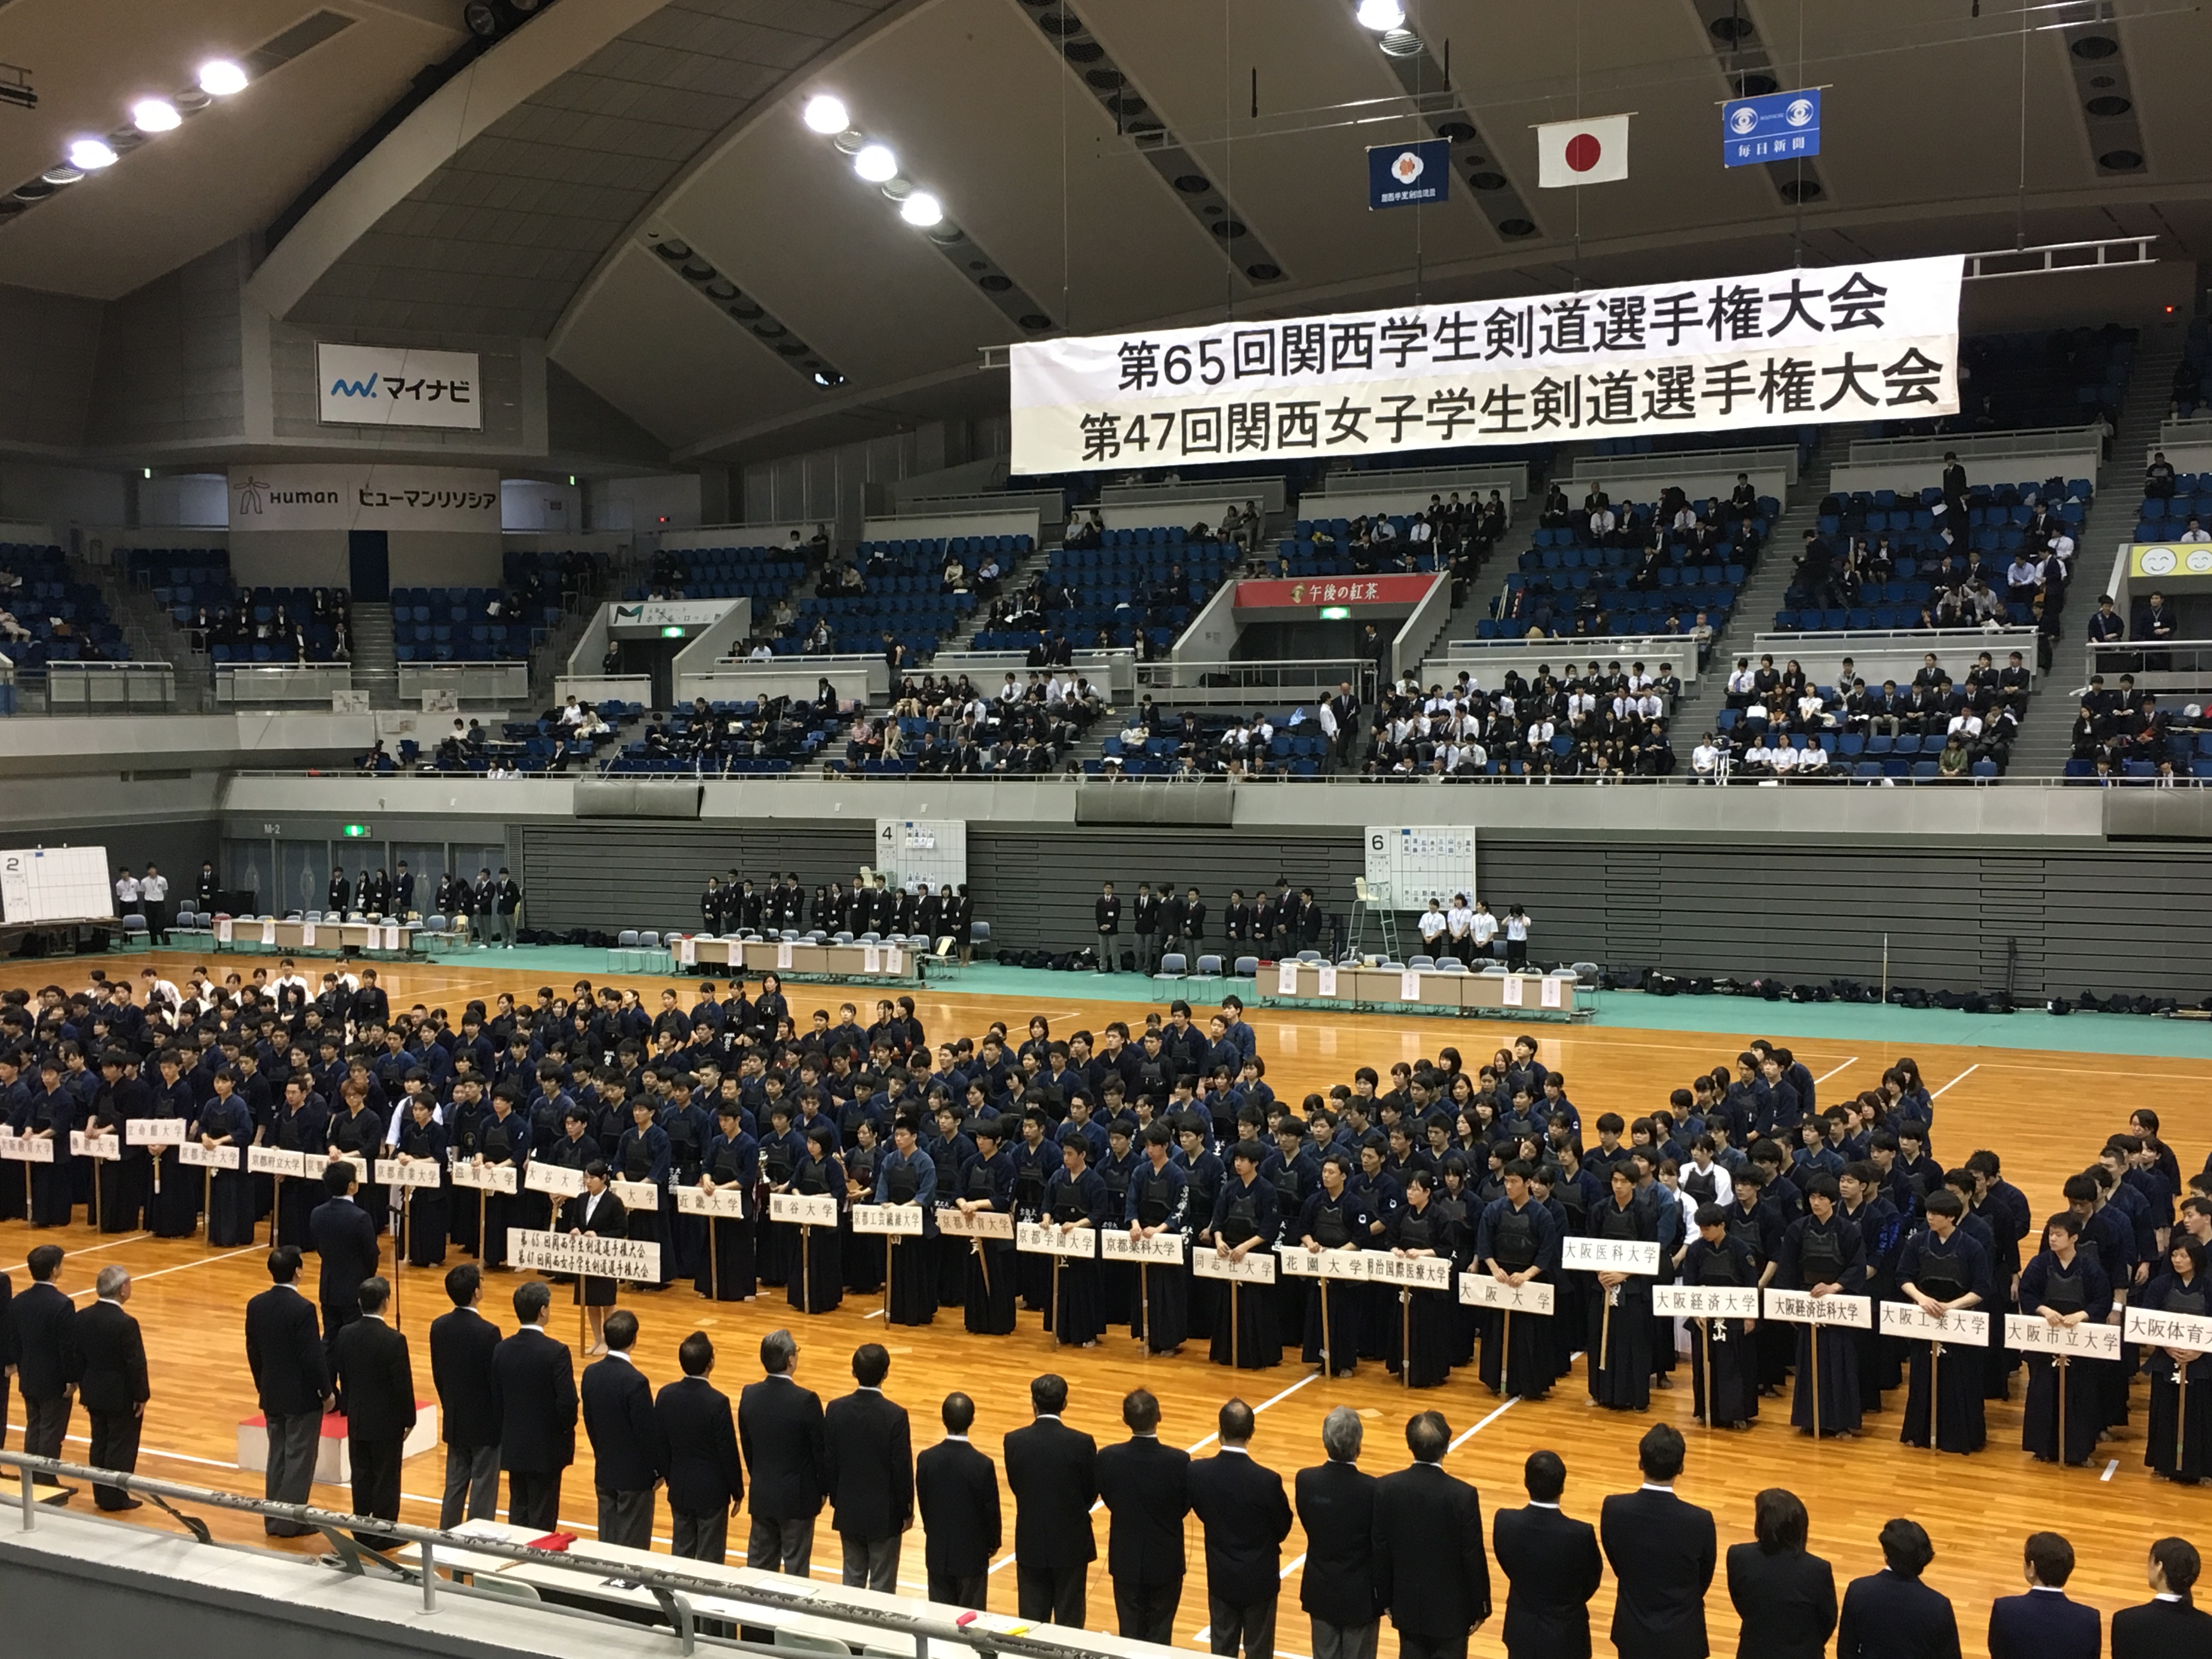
x: 259, y: 684
x: 910, y: 1619
x: 1665, y: 468
x: 2157, y: 665
x: 1509, y: 477
x: 110, y: 687
x: 1323, y: 675
x: 469, y: 682
x: 1989, y: 445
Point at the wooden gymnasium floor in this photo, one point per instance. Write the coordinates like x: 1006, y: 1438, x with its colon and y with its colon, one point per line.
x: 2026, y: 1104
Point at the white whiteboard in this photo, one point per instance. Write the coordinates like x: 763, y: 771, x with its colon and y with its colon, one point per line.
x: 55, y: 883
x: 913, y: 850
x: 1421, y: 861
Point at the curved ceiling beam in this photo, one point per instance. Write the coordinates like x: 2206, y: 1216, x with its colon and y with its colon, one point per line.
x: 490, y: 88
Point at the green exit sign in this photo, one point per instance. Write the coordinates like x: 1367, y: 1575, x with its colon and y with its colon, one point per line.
x: 671, y: 632
x: 356, y: 832
x: 1336, y: 613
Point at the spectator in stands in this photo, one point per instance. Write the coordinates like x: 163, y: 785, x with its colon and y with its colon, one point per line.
x: 2158, y: 477
x: 2197, y: 532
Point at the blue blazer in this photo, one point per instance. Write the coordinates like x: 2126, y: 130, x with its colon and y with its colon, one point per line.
x: 2043, y: 1624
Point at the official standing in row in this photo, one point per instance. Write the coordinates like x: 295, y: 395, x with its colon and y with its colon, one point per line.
x: 47, y: 1362
x: 1053, y: 1470
x: 463, y: 1344
x: 1241, y: 1506
x: 628, y: 1450
x: 1431, y: 1570
x: 779, y: 1430
x: 1662, y: 1551
x: 534, y: 1382
x: 292, y: 1382
x: 1144, y: 1485
x: 377, y: 1375
x: 1336, y: 1507
x: 1552, y: 1568
x: 868, y: 1472
x: 113, y: 1353
x: 346, y: 1248
x: 706, y: 1476
x: 957, y: 1489
x: 1780, y: 1589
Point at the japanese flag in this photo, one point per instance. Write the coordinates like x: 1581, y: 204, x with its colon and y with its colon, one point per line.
x: 1582, y: 151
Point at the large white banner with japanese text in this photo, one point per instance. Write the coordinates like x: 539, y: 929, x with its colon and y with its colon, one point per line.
x: 364, y: 496
x: 1842, y: 343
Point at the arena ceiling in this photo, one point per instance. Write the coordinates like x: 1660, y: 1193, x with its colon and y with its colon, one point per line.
x: 633, y: 182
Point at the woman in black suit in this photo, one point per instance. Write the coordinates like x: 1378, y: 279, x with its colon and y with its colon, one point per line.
x: 596, y: 1210
x: 1785, y: 1598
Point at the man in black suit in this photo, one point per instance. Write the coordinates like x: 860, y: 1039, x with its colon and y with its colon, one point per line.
x: 346, y: 1244
x: 1785, y: 1595
x: 1662, y: 1551
x: 1241, y: 1506
x: 292, y: 1381
x: 1892, y: 1611
x: 957, y: 1489
x: 780, y: 1431
x: 1336, y: 1504
x: 115, y: 1386
x: 373, y: 1367
x: 462, y: 1344
x: 1551, y: 1565
x: 534, y: 1390
x: 868, y: 1470
x: 1144, y: 1486
x: 2168, y: 1626
x: 2044, y: 1624
x: 1054, y: 1472
x: 48, y: 1364
x: 7, y: 1351
x: 629, y: 1451
x: 706, y: 1477
x: 1431, y: 1569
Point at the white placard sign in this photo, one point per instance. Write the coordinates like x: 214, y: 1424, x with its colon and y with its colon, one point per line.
x: 1325, y: 980
x: 1409, y: 985
x: 1412, y: 1273
x: 584, y: 1255
x: 2154, y: 1330
x: 193, y: 1156
x: 1553, y: 986
x: 1038, y: 1239
x: 1299, y: 1262
x: 895, y: 960
x: 1801, y: 1308
x: 277, y: 1161
x: 408, y: 1172
x: 1286, y: 978
x: 557, y: 1179
x: 1706, y: 1301
x: 1482, y: 1290
x: 872, y: 958
x: 1845, y: 343
x: 363, y: 495
x: 398, y: 386
x: 98, y: 1146
x: 724, y: 1203
x: 804, y: 1209
x: 154, y: 1132
x: 1610, y: 1256
x: 1915, y: 1324
x: 2034, y: 1334
x: 1257, y: 1268
x: 26, y: 1148
x: 636, y: 1194
x: 1163, y: 1247
x: 982, y: 1223
x: 1513, y: 991
x: 485, y: 1178
x: 905, y: 1219
x: 782, y: 954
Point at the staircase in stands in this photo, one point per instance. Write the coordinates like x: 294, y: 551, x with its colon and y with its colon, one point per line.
x: 375, y: 664
x: 151, y: 632
x: 1762, y: 594
x: 2046, y: 735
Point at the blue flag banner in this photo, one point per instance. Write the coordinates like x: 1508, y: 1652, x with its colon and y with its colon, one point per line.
x: 1782, y: 126
x: 1408, y: 175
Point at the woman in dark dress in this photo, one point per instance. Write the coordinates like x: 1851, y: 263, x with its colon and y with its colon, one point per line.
x: 988, y: 1184
x: 1822, y: 1254
x: 224, y: 1120
x: 1620, y: 1311
x: 2066, y: 1288
x: 1076, y: 1202
x: 1714, y: 1260
x: 643, y: 1155
x: 1245, y: 1223
x: 173, y: 1208
x: 595, y: 1210
x: 1420, y: 1231
x: 422, y: 1140
x: 818, y: 1278
x: 2180, y: 1418
x: 864, y: 1253
x: 1333, y: 1218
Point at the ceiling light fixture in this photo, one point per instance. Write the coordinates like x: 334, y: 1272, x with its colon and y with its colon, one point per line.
x: 61, y: 174
x: 875, y: 163
x: 91, y: 154
x: 921, y: 209
x: 155, y: 115
x: 1381, y: 15
x: 826, y: 115
x: 222, y: 78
